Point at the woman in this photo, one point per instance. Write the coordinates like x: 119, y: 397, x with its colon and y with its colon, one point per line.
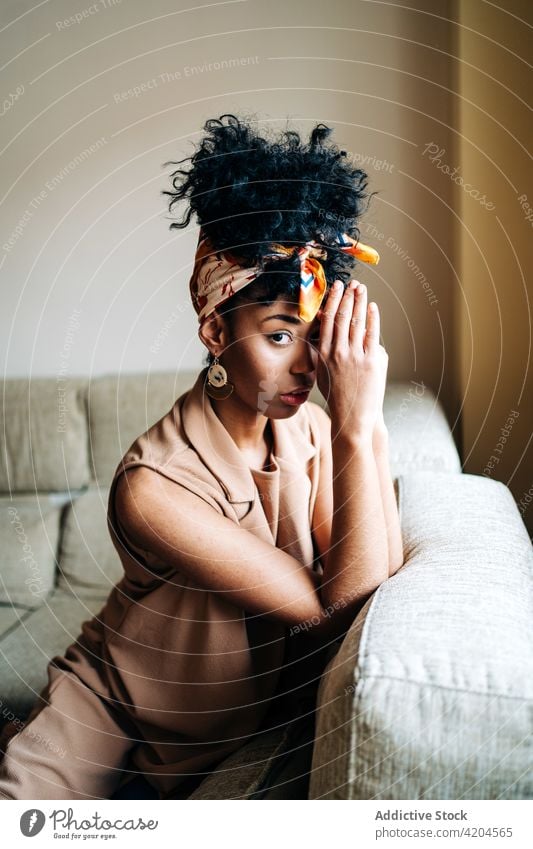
x: 252, y: 526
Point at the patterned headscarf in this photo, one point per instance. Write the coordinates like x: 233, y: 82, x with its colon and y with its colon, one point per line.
x: 218, y: 275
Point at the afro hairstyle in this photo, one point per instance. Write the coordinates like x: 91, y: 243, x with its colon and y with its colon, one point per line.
x: 248, y: 190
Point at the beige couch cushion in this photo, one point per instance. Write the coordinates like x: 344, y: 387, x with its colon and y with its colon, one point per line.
x: 419, y: 433
x: 29, y: 530
x: 121, y: 407
x: 44, y: 431
x: 88, y: 562
x: 431, y: 693
x: 28, y: 647
x: 10, y: 616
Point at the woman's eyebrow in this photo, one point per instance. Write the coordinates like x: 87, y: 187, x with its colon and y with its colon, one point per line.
x: 290, y: 318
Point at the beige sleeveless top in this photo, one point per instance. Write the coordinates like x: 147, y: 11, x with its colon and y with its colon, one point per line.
x: 194, y: 672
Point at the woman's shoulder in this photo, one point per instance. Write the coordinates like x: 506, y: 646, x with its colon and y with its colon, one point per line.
x: 160, y: 443
x: 165, y: 449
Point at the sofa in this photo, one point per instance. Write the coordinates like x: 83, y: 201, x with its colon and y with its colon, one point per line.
x: 430, y: 693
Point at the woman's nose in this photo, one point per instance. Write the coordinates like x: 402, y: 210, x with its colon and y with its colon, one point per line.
x: 305, y: 360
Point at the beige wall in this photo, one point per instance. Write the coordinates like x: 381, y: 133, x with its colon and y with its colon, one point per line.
x: 96, y: 264
x: 493, y: 304
x: 95, y: 282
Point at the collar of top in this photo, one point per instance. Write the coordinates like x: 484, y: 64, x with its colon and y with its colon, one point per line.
x: 222, y: 456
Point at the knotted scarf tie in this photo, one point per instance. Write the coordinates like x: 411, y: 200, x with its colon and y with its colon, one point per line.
x: 218, y: 275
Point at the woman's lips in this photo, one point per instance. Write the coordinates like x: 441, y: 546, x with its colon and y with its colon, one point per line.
x: 294, y: 398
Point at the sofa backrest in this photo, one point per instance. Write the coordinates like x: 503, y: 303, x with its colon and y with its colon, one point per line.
x: 64, y: 439
x: 60, y: 437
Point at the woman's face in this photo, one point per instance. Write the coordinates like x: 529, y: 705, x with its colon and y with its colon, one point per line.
x: 270, y: 354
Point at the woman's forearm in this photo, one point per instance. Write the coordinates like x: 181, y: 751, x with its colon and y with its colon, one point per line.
x: 358, y: 559
x: 380, y: 446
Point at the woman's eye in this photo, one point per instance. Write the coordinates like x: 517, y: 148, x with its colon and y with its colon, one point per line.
x: 275, y: 337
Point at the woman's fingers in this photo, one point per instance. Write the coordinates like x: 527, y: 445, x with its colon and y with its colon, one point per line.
x: 347, y: 320
x: 328, y: 317
x: 372, y: 328
x: 342, y: 318
x: 358, y: 319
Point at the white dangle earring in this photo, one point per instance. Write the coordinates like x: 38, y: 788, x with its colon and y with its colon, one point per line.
x: 217, y: 385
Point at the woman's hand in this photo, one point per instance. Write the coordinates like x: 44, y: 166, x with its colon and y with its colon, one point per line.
x: 352, y: 365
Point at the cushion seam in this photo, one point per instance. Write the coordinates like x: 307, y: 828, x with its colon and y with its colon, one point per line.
x: 444, y: 687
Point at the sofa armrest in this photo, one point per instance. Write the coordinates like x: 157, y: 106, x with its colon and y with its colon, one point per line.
x: 419, y: 434
x: 430, y: 694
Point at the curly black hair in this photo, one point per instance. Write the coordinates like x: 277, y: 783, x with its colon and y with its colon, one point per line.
x: 248, y: 191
